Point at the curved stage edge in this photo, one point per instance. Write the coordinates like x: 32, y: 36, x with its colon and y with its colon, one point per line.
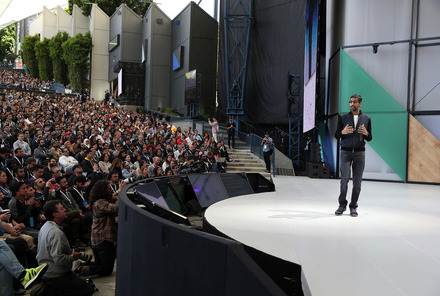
x: 159, y: 253
x: 392, y: 248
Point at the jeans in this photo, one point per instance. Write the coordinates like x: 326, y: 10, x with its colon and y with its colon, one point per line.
x: 355, y: 160
x: 267, y: 159
x: 105, y: 255
x: 9, y: 268
x: 233, y: 140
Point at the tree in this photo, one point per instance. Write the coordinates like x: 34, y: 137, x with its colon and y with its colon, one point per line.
x: 56, y: 54
x: 45, y: 68
x: 76, y: 53
x: 110, y: 6
x: 7, y: 42
x: 28, y: 54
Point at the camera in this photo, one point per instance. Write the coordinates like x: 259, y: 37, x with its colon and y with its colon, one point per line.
x: 129, y: 180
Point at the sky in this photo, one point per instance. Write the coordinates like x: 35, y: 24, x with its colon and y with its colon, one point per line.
x: 173, y: 7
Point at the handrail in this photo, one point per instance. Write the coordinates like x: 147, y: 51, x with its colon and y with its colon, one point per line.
x: 286, y: 133
x: 254, y: 142
x: 250, y: 129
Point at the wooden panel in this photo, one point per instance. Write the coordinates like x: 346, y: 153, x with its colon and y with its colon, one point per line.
x: 423, y: 154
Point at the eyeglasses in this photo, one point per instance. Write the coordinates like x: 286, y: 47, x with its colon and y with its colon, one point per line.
x: 353, y: 102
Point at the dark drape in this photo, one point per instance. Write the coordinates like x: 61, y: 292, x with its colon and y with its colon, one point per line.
x: 276, y: 49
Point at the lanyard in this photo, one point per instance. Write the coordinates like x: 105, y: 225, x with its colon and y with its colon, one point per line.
x: 79, y: 194
x: 65, y: 196
x: 18, y: 161
x: 115, y: 188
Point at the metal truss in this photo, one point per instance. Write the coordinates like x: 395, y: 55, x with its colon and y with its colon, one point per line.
x: 294, y: 91
x: 237, y: 22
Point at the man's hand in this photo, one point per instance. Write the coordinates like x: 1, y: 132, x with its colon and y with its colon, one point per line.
x: 30, y: 201
x: 121, y: 184
x: 76, y: 255
x: 5, y: 216
x: 348, y: 129
x: 363, y: 130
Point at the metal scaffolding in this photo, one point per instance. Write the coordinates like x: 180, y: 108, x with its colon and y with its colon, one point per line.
x: 237, y: 21
x: 294, y: 91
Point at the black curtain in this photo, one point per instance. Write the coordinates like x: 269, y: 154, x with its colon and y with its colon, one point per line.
x: 276, y: 48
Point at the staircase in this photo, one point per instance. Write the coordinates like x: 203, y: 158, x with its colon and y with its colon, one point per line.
x: 245, y: 161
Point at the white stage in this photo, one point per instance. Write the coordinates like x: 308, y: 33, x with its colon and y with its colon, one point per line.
x: 391, y: 248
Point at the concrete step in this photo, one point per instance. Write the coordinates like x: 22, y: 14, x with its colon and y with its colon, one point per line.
x: 246, y: 160
x: 239, y: 152
x: 241, y: 164
x: 245, y: 169
x: 242, y: 151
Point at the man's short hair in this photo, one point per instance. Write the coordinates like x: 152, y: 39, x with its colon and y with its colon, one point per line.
x: 4, y: 150
x: 75, y: 167
x: 15, y: 170
x: 112, y: 173
x: 30, y: 160
x: 37, y: 167
x: 358, y: 97
x: 15, y: 186
x: 16, y: 150
x: 54, y: 169
x: 35, y: 184
x: 80, y: 179
x: 58, y: 179
x: 49, y: 208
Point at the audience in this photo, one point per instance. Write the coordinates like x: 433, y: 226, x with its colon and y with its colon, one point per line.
x: 64, y: 160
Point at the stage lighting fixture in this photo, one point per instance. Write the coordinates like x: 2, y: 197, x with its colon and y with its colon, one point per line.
x: 375, y: 46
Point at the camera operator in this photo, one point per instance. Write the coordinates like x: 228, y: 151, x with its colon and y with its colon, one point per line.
x: 267, y: 145
x: 190, y: 166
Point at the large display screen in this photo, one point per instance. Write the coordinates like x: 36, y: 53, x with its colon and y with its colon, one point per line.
x: 209, y: 188
x: 310, y: 64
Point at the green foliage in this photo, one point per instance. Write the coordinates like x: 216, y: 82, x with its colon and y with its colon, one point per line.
x: 29, y: 57
x: 56, y: 54
x: 110, y: 6
x: 76, y: 53
x: 44, y: 60
x: 7, y: 42
x: 141, y: 110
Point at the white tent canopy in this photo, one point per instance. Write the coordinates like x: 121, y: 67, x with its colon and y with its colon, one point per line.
x: 12, y: 11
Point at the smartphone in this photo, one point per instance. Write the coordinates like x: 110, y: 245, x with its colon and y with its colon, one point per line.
x: 52, y: 182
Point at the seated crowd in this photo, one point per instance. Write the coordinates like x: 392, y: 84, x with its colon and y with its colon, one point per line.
x: 63, y: 161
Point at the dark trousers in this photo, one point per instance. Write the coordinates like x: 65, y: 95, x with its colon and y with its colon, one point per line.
x: 233, y: 140
x: 355, y: 160
x: 105, y: 255
x: 267, y: 159
x: 66, y: 285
